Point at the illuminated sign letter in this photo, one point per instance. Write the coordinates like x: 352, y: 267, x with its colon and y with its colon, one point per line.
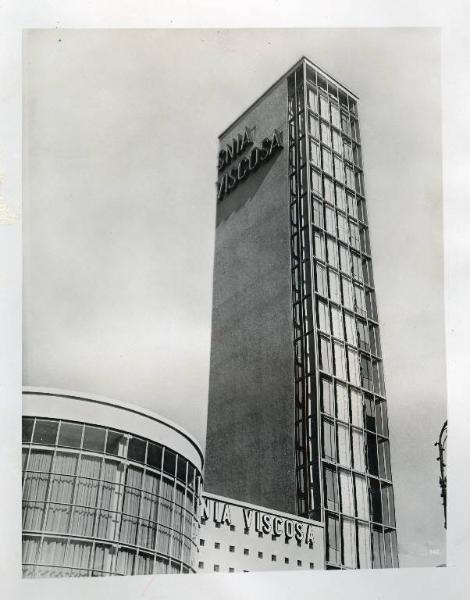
x: 267, y: 523
x: 276, y: 141
x: 289, y: 529
x: 277, y: 525
x: 310, y: 536
x: 299, y: 531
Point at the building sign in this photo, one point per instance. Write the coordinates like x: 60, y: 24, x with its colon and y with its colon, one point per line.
x: 250, y: 161
x: 222, y: 513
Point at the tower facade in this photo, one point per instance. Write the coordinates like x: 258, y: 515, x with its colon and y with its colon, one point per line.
x: 297, y: 407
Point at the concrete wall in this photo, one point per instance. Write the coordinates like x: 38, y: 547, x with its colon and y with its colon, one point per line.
x: 250, y: 435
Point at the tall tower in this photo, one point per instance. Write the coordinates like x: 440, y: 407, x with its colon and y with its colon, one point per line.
x: 297, y: 408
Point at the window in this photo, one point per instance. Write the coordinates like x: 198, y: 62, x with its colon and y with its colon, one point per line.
x: 372, y: 462
x: 348, y: 155
x: 332, y: 252
x: 231, y: 548
x: 378, y: 559
x: 353, y: 363
x: 328, y: 190
x: 329, y: 440
x: 345, y: 124
x: 217, y: 545
x: 349, y: 543
x: 216, y: 568
x: 367, y: 271
x: 359, y: 183
x: 361, y: 209
x: 348, y: 293
x: 337, y: 143
x: 326, y: 160
x: 322, y: 316
x: 364, y: 238
x: 357, y: 156
x: 363, y: 546
x: 342, y: 228
x: 319, y: 245
x: 362, y: 502
x: 325, y: 134
x: 388, y: 505
x: 314, y: 126
x: 70, y: 435
x: 369, y: 300
x: 273, y: 557
x: 333, y: 279
x: 377, y: 372
x: 286, y: 560
x: 342, y: 405
x: 333, y: 544
x: 349, y: 174
x: 366, y: 372
x: 325, y: 355
x: 381, y: 418
x: 344, y: 259
x: 352, y: 205
x: 316, y: 181
x: 327, y: 398
x: 344, y: 445
x: 324, y: 107
x: 260, y: 555
x: 200, y: 565
x: 359, y: 300
x: 136, y: 449
x: 336, y: 322
x: 356, y: 408
x: 312, y: 99
x: 363, y: 335
x: 340, y: 197
x: 320, y: 280
x: 356, y: 266
x: 335, y: 117
x: 350, y: 328
x: 202, y: 542
x: 340, y: 360
x: 93, y: 438
x: 338, y: 169
x: 315, y: 153
x: 354, y: 238
x: 246, y: 551
x: 331, y: 489
x: 45, y: 432
x: 358, y: 450
x: 330, y: 224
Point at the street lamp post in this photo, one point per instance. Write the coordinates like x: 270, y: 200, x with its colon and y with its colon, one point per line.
x: 442, y: 447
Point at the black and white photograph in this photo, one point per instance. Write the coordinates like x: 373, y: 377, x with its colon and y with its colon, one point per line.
x: 324, y: 195
x: 232, y: 334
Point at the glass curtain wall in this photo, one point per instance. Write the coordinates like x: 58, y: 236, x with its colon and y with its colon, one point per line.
x: 339, y: 384
x: 102, y: 502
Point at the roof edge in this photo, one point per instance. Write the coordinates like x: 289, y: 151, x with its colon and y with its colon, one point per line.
x: 46, y: 391
x: 301, y: 60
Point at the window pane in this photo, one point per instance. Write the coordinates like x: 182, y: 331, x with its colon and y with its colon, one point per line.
x: 329, y: 441
x: 327, y: 398
x: 332, y: 250
x: 377, y: 548
x: 169, y: 462
x: 328, y: 190
x: 337, y: 322
x: 375, y: 500
x: 93, y: 438
x: 340, y: 197
x: 325, y: 355
x: 326, y: 160
x: 319, y: 245
x: 112, y: 442
x: 333, y: 540
x: 335, y: 294
x: 349, y: 543
x: 342, y: 402
x: 344, y: 448
x: 331, y: 489
x: 362, y: 502
x: 344, y: 259
x: 70, y: 435
x: 45, y: 432
x: 340, y: 360
x: 320, y: 280
x: 154, y: 455
x: 363, y: 544
x: 372, y: 463
x: 347, y: 493
x: 322, y: 316
x: 356, y: 408
x: 136, y: 449
x: 348, y: 294
x: 358, y: 451
x: 27, y: 424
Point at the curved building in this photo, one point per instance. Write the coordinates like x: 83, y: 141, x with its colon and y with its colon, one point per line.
x: 108, y: 488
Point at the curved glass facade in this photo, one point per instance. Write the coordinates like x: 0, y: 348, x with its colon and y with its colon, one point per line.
x: 98, y: 501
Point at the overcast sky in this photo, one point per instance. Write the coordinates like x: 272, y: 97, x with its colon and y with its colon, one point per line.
x: 120, y: 141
